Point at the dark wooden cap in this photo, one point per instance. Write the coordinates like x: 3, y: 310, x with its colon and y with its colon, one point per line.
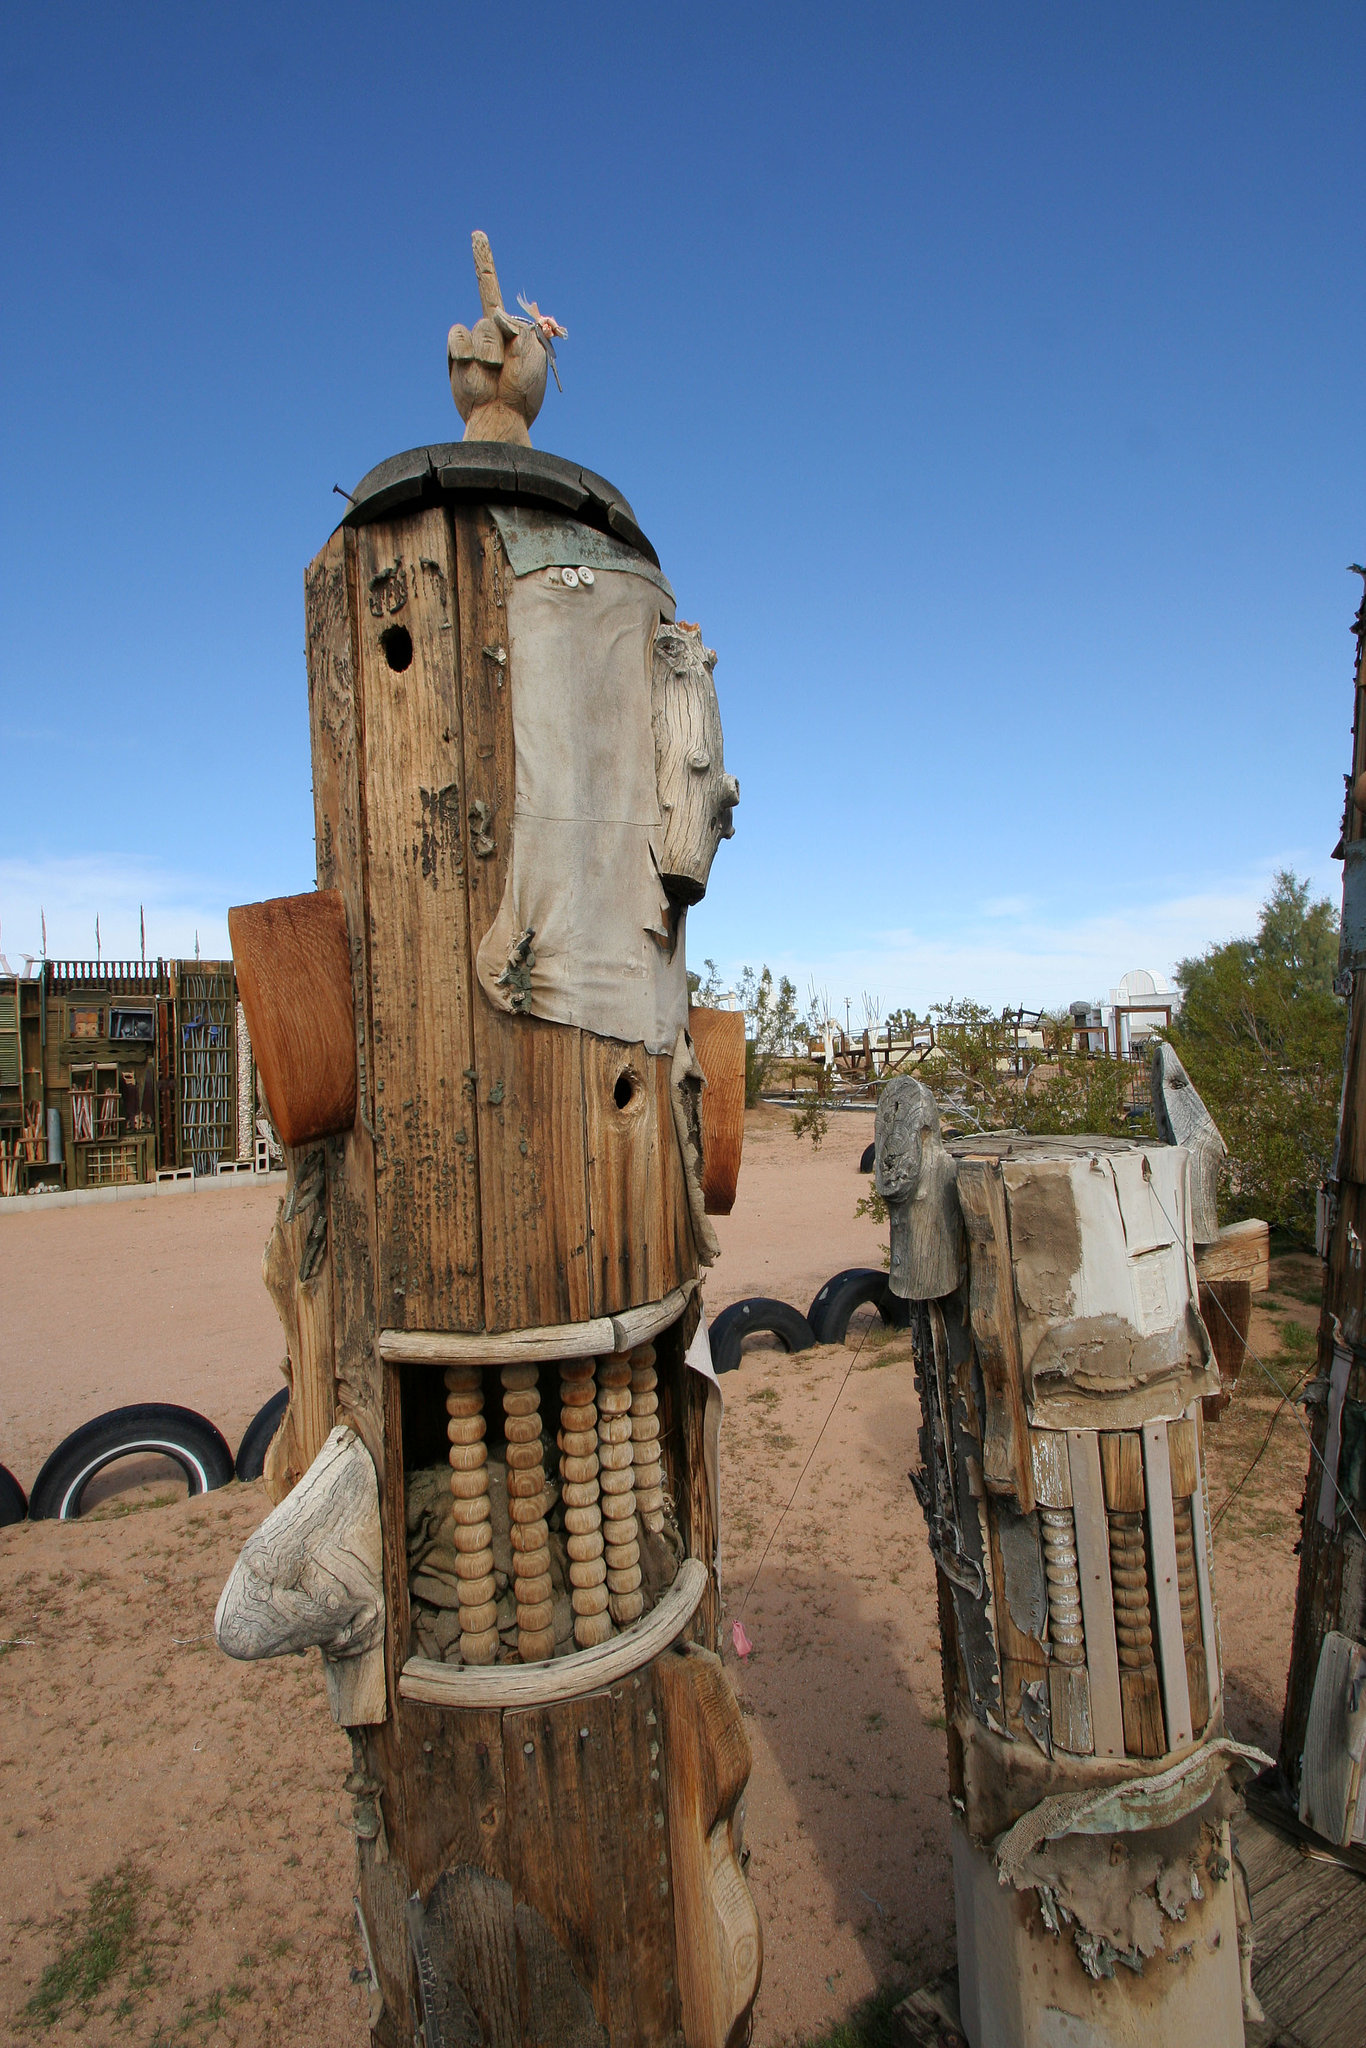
x: 484, y: 470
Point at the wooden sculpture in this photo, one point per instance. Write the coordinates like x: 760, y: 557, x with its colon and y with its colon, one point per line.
x: 487, y: 1261
x: 1061, y: 1372
x: 498, y: 367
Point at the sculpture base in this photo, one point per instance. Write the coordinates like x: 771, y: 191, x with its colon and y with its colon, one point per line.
x: 1021, y: 1986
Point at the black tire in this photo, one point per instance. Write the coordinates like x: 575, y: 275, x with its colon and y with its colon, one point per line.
x: 868, y: 1159
x: 153, y: 1427
x: 257, y: 1437
x: 743, y: 1318
x: 829, y: 1313
x: 13, y: 1504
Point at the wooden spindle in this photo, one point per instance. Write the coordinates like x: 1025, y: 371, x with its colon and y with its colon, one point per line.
x: 1140, y: 1684
x: 526, y: 1513
x: 579, y: 1480
x: 649, y: 1472
x: 466, y: 1428
x: 616, y: 1454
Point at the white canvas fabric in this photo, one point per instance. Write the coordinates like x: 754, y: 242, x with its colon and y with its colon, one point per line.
x: 582, y: 876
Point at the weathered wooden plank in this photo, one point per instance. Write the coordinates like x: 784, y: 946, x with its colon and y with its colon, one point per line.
x: 1166, y: 1586
x: 1006, y: 1464
x: 420, y: 967
x: 642, y: 1763
x: 1024, y: 1660
x: 719, y: 1945
x: 528, y: 1074
x: 305, y: 1311
x: 457, y: 1797
x: 1097, y: 1602
x: 680, y: 1249
x: 633, y: 1170
x: 339, y: 823
x: 1183, y: 1457
x: 1204, y: 1573
x: 1241, y: 1251
x: 565, y: 1838
x: 1226, y: 1311
x: 1052, y: 1479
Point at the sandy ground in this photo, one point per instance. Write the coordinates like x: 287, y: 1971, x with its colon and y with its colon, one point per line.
x: 184, y: 1816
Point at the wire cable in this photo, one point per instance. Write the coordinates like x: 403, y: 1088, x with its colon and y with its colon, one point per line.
x: 739, y: 1612
x: 1315, y: 1454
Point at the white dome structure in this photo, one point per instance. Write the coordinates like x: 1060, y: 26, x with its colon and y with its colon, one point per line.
x: 1142, y: 1004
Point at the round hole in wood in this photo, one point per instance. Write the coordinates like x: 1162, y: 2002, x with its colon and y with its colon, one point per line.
x: 625, y: 1088
x: 397, y: 643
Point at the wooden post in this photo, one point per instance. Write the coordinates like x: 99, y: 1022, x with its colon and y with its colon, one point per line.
x: 501, y: 1228
x: 1061, y: 1382
x: 1330, y: 1598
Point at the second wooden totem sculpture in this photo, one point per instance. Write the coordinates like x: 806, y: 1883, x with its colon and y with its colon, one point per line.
x: 1061, y: 1365
x: 497, y: 1477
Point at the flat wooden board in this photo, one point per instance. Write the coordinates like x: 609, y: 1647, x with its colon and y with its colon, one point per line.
x: 637, y: 1198
x: 1309, y: 1964
x: 426, y: 1173
x: 1007, y: 1466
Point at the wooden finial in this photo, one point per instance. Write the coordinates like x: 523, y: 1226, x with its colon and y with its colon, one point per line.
x: 498, y: 367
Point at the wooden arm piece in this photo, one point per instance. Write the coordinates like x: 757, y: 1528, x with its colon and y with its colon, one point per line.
x: 718, y: 1038
x: 293, y: 961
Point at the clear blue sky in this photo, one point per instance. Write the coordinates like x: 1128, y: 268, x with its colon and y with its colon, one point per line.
x: 989, y: 379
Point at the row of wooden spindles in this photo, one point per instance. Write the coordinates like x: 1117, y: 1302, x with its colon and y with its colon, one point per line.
x: 611, y: 1481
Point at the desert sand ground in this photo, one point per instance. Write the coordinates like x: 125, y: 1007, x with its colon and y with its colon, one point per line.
x: 176, y: 1864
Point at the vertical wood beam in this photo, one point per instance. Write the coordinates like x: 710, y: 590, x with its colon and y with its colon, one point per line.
x: 1166, y: 1585
x: 427, y: 1185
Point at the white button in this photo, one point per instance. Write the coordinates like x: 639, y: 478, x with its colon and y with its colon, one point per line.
x: 587, y: 578
x: 570, y: 578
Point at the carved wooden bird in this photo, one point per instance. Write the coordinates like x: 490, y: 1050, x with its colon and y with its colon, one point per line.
x: 498, y: 367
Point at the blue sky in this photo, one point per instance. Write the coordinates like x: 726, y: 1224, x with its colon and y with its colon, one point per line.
x: 988, y: 378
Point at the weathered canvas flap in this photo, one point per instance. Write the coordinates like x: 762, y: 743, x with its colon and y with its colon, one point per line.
x: 1105, y: 1289
x: 583, y: 883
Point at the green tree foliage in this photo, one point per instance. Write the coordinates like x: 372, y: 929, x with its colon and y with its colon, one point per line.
x: 1260, y: 1032
x: 771, y: 1026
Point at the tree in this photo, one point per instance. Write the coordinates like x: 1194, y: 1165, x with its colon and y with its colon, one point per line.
x: 1260, y: 1032
x: 771, y: 1026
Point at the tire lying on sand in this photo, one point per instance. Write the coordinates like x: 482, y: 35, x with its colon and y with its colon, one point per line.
x: 259, y: 1434
x: 147, y: 1428
x: 868, y: 1159
x: 13, y: 1505
x: 829, y: 1313
x: 744, y: 1318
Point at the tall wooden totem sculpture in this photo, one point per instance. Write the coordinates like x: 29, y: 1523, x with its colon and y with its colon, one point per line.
x: 497, y: 1477
x: 1061, y: 1365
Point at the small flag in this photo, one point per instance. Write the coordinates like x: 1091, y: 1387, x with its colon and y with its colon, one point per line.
x: 142, y: 930
x: 97, y: 935
x: 743, y: 1645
